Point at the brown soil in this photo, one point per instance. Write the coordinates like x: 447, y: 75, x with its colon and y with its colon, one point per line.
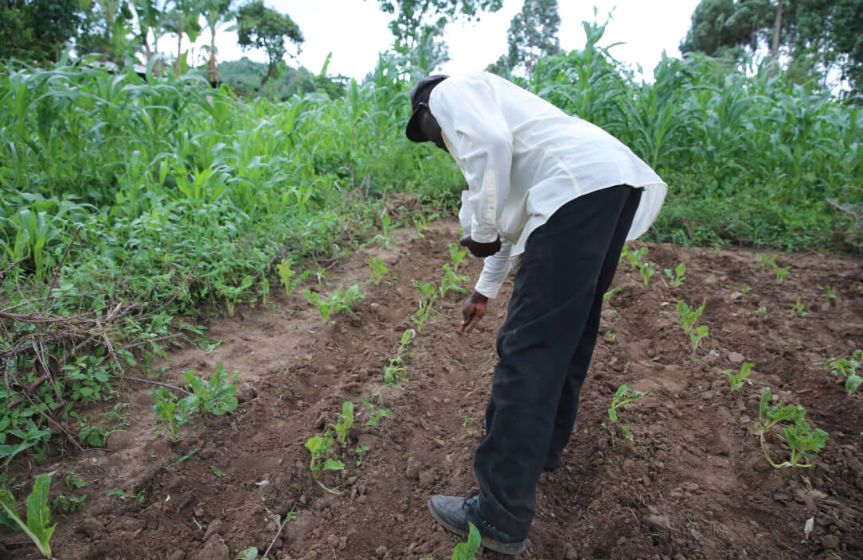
x: 692, y: 484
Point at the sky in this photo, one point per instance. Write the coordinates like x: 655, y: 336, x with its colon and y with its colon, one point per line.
x: 355, y: 31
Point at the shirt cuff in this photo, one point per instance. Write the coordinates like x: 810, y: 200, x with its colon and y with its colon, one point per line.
x: 488, y: 289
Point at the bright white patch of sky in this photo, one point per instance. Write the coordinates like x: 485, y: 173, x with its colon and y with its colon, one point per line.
x: 355, y: 31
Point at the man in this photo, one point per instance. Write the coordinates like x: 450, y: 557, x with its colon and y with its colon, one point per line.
x: 562, y: 195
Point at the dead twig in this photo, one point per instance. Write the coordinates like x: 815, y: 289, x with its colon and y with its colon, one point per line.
x: 157, y: 383
x: 284, y: 522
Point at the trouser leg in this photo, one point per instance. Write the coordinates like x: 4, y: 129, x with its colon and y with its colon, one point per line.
x: 567, y: 408
x: 554, y: 292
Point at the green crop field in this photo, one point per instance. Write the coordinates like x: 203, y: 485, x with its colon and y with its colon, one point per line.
x: 137, y: 206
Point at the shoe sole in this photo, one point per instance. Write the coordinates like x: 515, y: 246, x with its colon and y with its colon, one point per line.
x: 510, y: 549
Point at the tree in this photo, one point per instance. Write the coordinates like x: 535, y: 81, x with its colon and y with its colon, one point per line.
x: 183, y: 19
x: 724, y: 27
x: 150, y: 17
x: 104, y: 29
x: 216, y: 12
x: 418, y: 27
x: 820, y: 36
x: 259, y: 27
x: 36, y: 30
x: 532, y: 34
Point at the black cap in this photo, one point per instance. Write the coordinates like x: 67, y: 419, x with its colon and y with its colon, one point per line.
x: 421, y: 94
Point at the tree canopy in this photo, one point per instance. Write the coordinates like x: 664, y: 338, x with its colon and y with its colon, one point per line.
x: 36, y: 30
x: 259, y: 27
x: 532, y: 34
x: 818, y: 38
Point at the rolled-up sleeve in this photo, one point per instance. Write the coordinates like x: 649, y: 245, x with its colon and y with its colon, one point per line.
x: 494, y: 271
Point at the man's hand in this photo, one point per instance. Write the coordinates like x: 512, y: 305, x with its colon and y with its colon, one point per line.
x: 478, y: 249
x: 473, y: 311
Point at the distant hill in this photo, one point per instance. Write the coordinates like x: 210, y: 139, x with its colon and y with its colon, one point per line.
x: 244, y: 77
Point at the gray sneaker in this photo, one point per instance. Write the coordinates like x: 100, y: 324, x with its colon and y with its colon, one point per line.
x: 454, y: 512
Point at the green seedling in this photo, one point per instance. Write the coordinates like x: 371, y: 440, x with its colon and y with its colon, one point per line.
x: 321, y: 449
x: 395, y: 372
x: 466, y: 421
x: 288, y: 276
x: 830, y: 295
x: 736, y: 380
x: 342, y: 300
x: 456, y: 255
x: 803, y: 442
x: 38, y: 526
x: 376, y: 413
x: 428, y: 295
x: 344, y: 423
x: 387, y: 228
x: 647, y: 271
x: 66, y: 505
x: 406, y: 339
x: 94, y: 436
x: 217, y: 472
x: 799, y: 308
x: 467, y: 550
x: 359, y: 453
x: 451, y: 281
x: 688, y: 317
x: 770, y: 261
x: 169, y: 411
x: 117, y: 495
x: 622, y: 397
x: 634, y: 258
x: 73, y: 481
x: 421, y: 223
x: 676, y: 275
x: 609, y: 335
x: 847, y: 368
x: 610, y: 294
x: 216, y: 396
x: 762, y: 310
x: 698, y: 334
x: 377, y: 270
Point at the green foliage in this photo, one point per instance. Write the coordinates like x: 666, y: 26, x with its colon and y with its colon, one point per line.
x: 288, y: 276
x: 799, y: 308
x: 260, y: 27
x: 677, y: 275
x: 623, y: 396
x: 37, y: 30
x: 451, y: 281
x: 321, y: 449
x: 342, y: 300
x: 751, y: 157
x: 467, y: 550
x: 215, y: 396
x: 376, y: 413
x: 532, y: 34
x: 846, y: 367
x: 395, y: 372
x: 688, y: 317
x: 66, y: 505
x: 344, y: 423
x: 457, y: 254
x: 636, y: 261
x: 610, y: 294
x: 818, y: 38
x: 803, y: 442
x: 377, y: 270
x: 736, y: 380
x: 38, y: 526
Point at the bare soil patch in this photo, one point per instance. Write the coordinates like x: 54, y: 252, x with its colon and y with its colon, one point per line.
x: 693, y: 484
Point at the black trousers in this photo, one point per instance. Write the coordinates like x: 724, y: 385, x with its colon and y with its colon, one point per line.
x: 545, y: 347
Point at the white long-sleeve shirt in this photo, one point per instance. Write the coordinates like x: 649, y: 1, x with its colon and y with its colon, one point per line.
x: 523, y: 158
